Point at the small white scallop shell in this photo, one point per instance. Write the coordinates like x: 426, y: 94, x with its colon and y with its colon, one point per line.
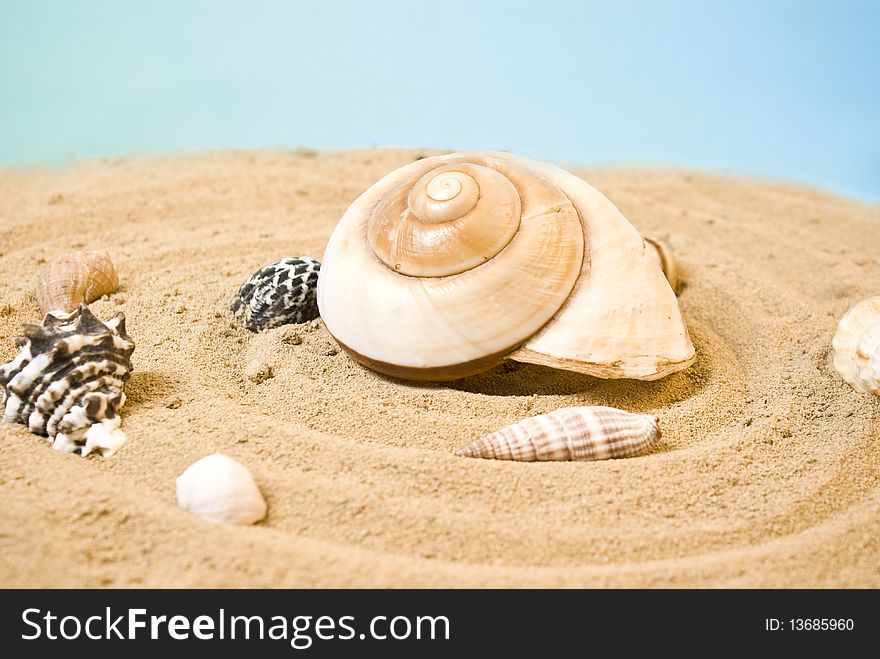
x: 857, y: 346
x: 570, y: 433
x: 220, y: 489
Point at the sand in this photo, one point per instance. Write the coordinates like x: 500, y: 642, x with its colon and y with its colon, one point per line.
x: 768, y: 473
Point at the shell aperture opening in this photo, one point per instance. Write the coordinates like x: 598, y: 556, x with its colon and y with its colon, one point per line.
x: 444, y: 197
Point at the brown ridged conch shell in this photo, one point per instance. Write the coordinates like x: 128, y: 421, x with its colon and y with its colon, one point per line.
x: 67, y: 381
x: 570, y: 433
x: 857, y: 347
x: 451, y: 264
x: 73, y: 279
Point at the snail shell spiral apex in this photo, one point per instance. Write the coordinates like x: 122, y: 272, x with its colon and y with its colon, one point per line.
x: 451, y: 264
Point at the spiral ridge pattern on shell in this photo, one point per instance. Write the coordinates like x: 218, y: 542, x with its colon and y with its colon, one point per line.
x: 68, y: 377
x: 447, y: 196
x: 449, y: 219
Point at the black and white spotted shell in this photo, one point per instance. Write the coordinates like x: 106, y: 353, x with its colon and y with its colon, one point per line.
x: 280, y: 293
x: 66, y: 382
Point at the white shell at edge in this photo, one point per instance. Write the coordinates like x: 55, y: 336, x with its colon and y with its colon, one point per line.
x: 857, y: 346
x: 220, y: 489
x: 104, y: 438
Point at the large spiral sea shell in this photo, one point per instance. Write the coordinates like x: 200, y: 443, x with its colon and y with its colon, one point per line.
x: 450, y: 264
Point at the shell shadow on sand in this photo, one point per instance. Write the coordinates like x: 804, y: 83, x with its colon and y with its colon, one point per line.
x: 514, y: 379
x: 146, y: 388
x: 519, y: 380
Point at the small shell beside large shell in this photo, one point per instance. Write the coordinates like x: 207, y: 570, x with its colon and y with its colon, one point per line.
x: 857, y: 346
x: 220, y: 489
x: 570, y: 433
x: 279, y: 293
x: 668, y: 265
x: 74, y: 279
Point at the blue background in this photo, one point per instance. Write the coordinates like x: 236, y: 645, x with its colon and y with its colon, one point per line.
x: 781, y: 88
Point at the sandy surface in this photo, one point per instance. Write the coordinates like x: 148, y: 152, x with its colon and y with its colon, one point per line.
x: 768, y: 473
